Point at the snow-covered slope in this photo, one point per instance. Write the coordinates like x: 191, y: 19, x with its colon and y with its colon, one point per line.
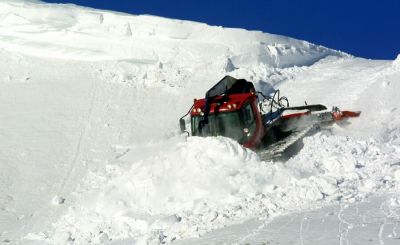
x: 90, y: 151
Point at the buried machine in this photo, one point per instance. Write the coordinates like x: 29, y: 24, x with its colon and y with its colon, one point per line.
x: 264, y: 123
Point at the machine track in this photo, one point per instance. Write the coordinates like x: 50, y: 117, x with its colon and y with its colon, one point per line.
x: 277, y: 150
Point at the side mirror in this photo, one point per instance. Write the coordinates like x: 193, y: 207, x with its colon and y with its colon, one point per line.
x: 182, y: 125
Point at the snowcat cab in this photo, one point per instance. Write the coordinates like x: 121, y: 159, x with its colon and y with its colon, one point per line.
x: 229, y: 109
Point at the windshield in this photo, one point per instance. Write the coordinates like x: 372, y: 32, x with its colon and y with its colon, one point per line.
x: 226, y: 124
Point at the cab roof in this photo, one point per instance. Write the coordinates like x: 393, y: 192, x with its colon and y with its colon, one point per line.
x: 229, y: 103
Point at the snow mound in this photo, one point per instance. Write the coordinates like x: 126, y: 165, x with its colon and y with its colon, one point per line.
x: 194, y: 186
x: 184, y: 176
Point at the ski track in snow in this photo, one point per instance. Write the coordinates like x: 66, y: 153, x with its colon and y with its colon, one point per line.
x: 91, y: 152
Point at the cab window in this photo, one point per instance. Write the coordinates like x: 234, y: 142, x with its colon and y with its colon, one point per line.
x: 248, y: 119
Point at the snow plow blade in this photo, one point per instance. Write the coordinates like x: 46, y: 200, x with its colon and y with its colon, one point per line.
x: 341, y: 115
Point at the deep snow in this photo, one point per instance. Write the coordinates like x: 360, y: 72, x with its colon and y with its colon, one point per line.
x: 90, y: 148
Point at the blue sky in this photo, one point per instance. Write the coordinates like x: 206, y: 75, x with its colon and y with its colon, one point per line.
x: 365, y: 28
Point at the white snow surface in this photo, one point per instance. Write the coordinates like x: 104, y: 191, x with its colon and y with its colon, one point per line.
x: 90, y: 147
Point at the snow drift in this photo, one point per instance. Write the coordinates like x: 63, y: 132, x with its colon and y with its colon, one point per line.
x: 90, y: 147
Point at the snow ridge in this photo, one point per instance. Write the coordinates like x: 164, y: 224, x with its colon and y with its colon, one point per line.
x: 72, y: 32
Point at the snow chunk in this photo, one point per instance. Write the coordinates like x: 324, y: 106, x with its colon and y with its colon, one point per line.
x: 57, y: 200
x: 396, y: 175
x: 36, y: 236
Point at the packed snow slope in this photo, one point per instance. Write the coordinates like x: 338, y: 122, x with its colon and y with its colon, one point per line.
x: 90, y: 147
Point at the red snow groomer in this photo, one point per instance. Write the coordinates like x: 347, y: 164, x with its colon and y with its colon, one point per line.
x: 267, y: 124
